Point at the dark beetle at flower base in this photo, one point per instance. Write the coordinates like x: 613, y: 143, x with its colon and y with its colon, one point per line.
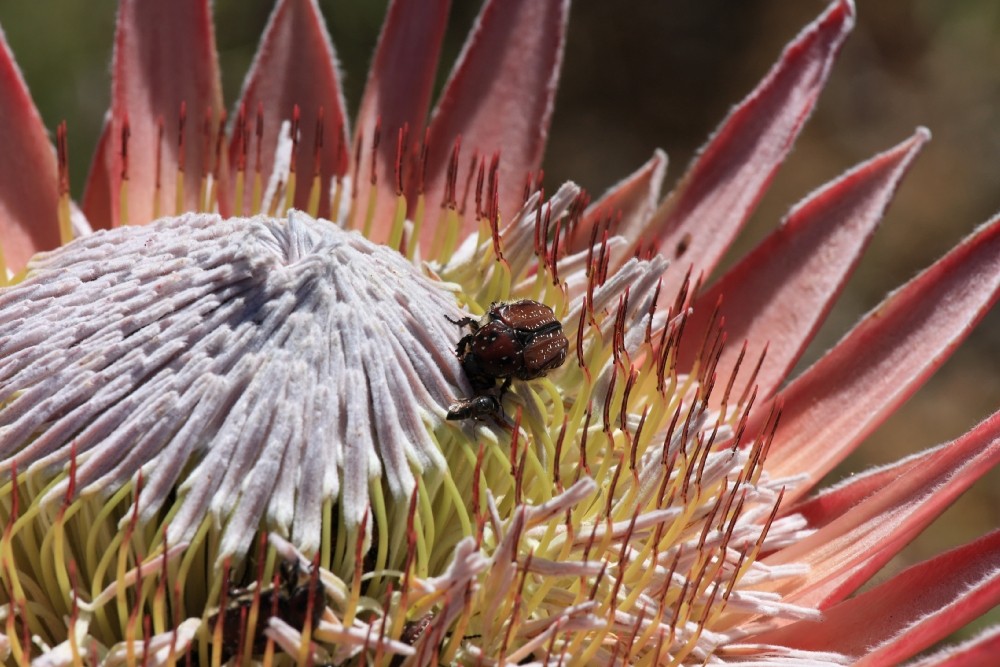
x: 294, y: 602
x: 521, y: 339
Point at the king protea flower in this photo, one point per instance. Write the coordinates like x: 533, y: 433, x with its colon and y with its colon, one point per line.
x: 223, y: 429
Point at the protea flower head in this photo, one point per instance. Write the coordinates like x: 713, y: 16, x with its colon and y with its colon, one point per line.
x: 225, y: 378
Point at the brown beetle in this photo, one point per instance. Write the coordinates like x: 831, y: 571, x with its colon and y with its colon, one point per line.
x: 521, y: 339
x: 289, y: 601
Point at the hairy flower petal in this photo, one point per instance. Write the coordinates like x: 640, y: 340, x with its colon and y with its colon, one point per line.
x: 911, y: 611
x: 295, y: 65
x: 980, y: 651
x: 844, y: 553
x: 778, y: 295
x: 834, y: 404
x: 700, y: 218
x: 398, y: 95
x: 627, y: 205
x: 164, y: 58
x: 500, y: 95
x: 835, y: 501
x: 28, y: 184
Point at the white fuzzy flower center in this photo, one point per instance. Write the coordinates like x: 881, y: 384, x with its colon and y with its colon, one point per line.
x: 290, y: 362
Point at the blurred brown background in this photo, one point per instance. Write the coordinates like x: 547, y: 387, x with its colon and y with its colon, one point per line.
x: 641, y: 75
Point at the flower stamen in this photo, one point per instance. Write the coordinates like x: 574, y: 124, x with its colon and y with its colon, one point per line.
x: 372, y: 202
x: 123, y: 188
x: 181, y: 157
x: 258, y: 170
x: 395, y: 239
x: 316, y: 186
x: 65, y: 224
x: 207, y: 150
x: 216, y: 171
x: 241, y: 139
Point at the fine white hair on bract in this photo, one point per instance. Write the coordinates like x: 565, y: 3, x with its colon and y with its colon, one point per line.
x: 287, y: 361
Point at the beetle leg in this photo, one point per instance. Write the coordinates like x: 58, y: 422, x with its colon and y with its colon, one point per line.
x: 463, y: 345
x: 504, y: 387
x: 289, y: 576
x: 499, y: 415
x: 470, y: 322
